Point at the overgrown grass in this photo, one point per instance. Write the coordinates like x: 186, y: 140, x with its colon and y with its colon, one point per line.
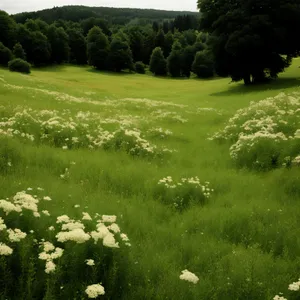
x: 243, y: 242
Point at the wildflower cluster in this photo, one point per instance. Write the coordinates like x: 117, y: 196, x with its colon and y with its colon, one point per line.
x: 294, y: 287
x: 71, y: 241
x: 82, y: 130
x: 265, y: 133
x: 180, y: 194
x: 189, y: 276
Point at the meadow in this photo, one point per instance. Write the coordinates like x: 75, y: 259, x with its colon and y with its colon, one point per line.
x: 144, y: 149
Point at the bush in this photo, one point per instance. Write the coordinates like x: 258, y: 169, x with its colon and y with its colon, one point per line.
x: 180, y: 195
x: 140, y: 67
x: 19, y: 52
x: 203, y: 65
x: 5, y: 55
x: 19, y: 65
x: 266, y: 134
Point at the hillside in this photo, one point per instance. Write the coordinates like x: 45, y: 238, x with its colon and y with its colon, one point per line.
x: 115, y: 15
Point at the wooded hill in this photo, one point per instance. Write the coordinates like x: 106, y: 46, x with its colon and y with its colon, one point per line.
x: 119, y: 16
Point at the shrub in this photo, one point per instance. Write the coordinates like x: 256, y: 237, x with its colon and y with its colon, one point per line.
x: 5, y: 55
x: 266, y: 134
x: 180, y: 195
x: 203, y: 65
x: 19, y: 65
x: 140, y: 67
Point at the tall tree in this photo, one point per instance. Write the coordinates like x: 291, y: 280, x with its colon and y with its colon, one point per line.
x: 5, y: 55
x: 77, y: 44
x: 174, y: 61
x: 97, y: 48
x: 203, y: 65
x: 188, y: 56
x: 158, y: 64
x: 19, y: 52
x: 59, y: 42
x: 120, y: 56
x: 7, y: 29
x: 40, y: 50
x: 169, y: 40
x: 253, y: 39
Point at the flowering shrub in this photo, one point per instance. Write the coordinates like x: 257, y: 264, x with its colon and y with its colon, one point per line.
x: 83, y: 130
x: 265, y: 133
x: 70, y: 259
x: 183, y: 193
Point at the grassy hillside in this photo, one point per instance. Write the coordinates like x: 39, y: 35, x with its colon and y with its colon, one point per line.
x: 243, y: 242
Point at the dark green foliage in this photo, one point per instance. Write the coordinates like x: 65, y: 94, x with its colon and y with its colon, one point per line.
x: 140, y: 67
x: 19, y: 65
x: 136, y: 41
x: 77, y: 44
x: 120, y: 56
x: 158, y: 64
x: 186, y: 22
x: 188, y: 56
x: 97, y: 48
x: 7, y: 29
x: 40, y: 50
x: 252, y: 40
x: 59, y: 42
x: 5, y: 55
x: 119, y: 16
x: 203, y: 65
x: 19, y: 52
x: 169, y: 40
x: 160, y: 39
x: 89, y: 23
x: 32, y: 25
x: 174, y: 61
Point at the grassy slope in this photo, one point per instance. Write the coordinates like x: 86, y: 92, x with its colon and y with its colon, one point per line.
x: 243, y: 245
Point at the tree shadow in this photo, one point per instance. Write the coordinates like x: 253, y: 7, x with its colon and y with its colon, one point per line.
x: 51, y: 68
x: 277, y: 84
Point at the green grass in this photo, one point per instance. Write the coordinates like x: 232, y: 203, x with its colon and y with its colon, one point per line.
x: 243, y: 244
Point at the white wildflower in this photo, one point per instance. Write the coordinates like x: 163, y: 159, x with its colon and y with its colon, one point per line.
x: 86, y: 216
x: 90, y: 262
x: 36, y: 214
x: 72, y: 225
x: 16, y: 235
x: 114, y: 227
x: 109, y: 241
x: 295, y: 286
x: 9, y: 207
x: 51, y: 228
x: 2, y: 225
x: 46, y: 212
x: 188, y: 276
x: 76, y: 205
x: 5, y: 250
x: 63, y: 219
x: 57, y: 253
x: 50, y: 267
x: 26, y: 201
x: 95, y: 290
x: 76, y: 235
x: 47, y: 198
x: 48, y: 247
x: 124, y: 237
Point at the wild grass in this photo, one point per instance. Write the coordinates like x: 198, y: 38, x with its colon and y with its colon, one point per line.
x: 243, y: 242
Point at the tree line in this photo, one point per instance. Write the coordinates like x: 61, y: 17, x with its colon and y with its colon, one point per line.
x: 161, y: 45
x: 249, y: 40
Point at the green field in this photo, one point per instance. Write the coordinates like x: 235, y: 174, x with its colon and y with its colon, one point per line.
x: 243, y: 243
